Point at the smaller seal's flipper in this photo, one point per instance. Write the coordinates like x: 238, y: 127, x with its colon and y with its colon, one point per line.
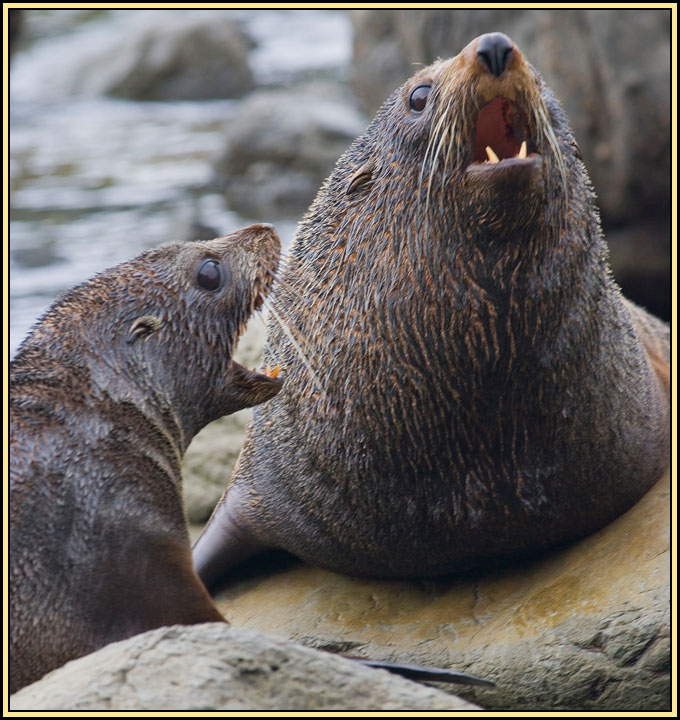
x: 225, y: 543
x: 421, y: 673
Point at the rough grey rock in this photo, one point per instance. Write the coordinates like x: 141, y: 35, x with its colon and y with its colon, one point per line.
x: 212, y: 454
x: 170, y: 55
x: 611, y: 71
x: 281, y: 146
x: 209, y: 461
x: 217, y: 667
x: 583, y: 628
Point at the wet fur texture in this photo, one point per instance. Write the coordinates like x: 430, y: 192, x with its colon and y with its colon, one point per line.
x: 474, y: 386
x: 106, y: 394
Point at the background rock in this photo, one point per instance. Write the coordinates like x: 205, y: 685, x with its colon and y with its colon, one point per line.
x: 611, y: 71
x: 584, y: 628
x: 212, y: 454
x: 215, y: 667
x: 177, y: 56
x: 209, y: 461
x: 281, y: 146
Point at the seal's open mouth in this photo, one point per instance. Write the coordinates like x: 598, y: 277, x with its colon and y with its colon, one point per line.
x: 501, y: 133
x: 265, y: 384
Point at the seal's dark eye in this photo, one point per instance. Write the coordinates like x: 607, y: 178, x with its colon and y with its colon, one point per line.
x: 209, y: 275
x: 418, y: 99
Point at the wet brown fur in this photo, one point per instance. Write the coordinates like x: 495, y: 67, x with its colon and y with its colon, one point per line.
x: 474, y: 386
x: 102, y: 408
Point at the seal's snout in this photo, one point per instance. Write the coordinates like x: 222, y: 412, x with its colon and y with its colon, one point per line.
x: 260, y: 232
x: 260, y: 239
x: 265, y: 227
x: 494, y: 50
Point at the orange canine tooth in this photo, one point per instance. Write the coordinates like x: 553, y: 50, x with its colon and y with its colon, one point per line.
x: 275, y: 372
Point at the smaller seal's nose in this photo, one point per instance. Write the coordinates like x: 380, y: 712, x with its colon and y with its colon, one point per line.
x: 495, y: 50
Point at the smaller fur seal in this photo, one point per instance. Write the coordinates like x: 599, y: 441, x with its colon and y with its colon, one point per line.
x: 106, y: 394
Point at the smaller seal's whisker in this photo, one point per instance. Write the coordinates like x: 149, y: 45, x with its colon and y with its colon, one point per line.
x: 286, y: 291
x: 296, y: 346
x: 283, y: 314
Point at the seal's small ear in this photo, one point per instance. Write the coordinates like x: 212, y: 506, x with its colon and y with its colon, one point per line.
x: 363, y: 175
x: 143, y: 326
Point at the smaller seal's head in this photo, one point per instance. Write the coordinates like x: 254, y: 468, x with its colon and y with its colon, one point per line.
x: 160, y: 330
x: 183, y: 335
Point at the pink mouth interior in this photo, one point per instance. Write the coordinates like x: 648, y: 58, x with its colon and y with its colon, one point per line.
x: 502, y: 127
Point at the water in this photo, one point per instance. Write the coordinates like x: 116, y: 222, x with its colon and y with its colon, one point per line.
x: 94, y: 180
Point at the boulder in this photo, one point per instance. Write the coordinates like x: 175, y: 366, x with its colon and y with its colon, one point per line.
x: 209, y: 461
x: 169, y: 55
x: 212, y: 454
x: 217, y: 667
x: 584, y: 628
x: 281, y: 146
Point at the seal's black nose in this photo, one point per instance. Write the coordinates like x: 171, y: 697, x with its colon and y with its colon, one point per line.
x: 494, y: 50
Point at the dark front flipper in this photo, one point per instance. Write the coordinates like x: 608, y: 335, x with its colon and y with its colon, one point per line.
x: 225, y: 542
x: 421, y: 673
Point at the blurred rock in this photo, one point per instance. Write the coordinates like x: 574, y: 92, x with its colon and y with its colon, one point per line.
x: 282, y: 145
x: 46, y: 23
x: 611, y: 71
x: 209, y: 461
x: 583, y: 628
x: 217, y: 667
x: 212, y: 454
x: 170, y: 55
x: 640, y: 260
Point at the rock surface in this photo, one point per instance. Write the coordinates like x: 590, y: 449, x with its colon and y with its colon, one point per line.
x: 216, y: 667
x: 611, y: 71
x: 212, y: 454
x: 170, y: 55
x: 281, y: 146
x: 585, y: 628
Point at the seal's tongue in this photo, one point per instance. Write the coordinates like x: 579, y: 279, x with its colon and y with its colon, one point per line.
x: 500, y: 132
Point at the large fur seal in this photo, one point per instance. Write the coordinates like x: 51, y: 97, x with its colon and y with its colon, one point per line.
x: 106, y: 394
x: 465, y: 382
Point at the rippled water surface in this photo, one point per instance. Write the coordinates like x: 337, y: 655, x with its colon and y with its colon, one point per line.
x: 94, y: 180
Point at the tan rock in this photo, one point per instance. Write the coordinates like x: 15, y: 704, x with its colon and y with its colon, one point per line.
x: 585, y: 628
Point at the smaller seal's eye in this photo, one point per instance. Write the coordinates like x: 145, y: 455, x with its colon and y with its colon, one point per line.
x: 418, y: 99
x: 209, y: 275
